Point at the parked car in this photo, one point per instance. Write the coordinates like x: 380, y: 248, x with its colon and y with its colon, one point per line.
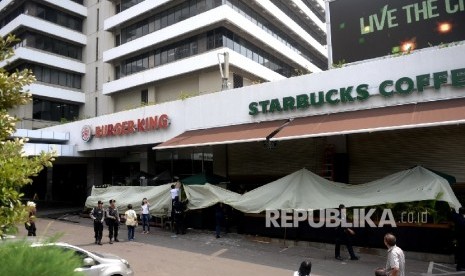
x: 95, y: 264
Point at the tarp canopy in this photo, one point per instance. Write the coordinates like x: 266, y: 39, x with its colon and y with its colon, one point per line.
x: 158, y: 196
x: 203, y: 178
x: 302, y: 190
x: 306, y: 190
x: 202, y: 196
x: 450, y: 178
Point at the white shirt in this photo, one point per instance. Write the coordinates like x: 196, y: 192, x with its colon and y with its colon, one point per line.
x: 145, y: 209
x: 174, y: 192
x: 395, y: 258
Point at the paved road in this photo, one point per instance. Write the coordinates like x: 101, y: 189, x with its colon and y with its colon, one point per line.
x: 199, y: 253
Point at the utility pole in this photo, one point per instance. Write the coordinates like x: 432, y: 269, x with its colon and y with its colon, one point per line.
x: 224, y: 71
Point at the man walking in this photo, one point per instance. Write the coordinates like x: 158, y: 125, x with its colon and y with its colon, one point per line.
x: 112, y: 217
x: 395, y: 264
x: 459, y: 222
x: 344, y: 236
x: 97, y: 214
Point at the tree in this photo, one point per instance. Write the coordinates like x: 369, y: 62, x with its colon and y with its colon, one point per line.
x: 16, y: 169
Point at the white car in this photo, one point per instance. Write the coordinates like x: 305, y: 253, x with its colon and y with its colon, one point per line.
x: 95, y: 264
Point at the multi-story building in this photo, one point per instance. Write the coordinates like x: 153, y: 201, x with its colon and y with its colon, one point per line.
x: 95, y: 57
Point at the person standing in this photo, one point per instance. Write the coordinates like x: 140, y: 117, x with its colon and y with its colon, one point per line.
x: 395, y: 263
x: 174, y: 192
x: 344, y: 236
x: 459, y: 227
x: 179, y: 208
x: 31, y: 221
x: 219, y: 218
x: 98, y: 214
x: 145, y: 214
x: 112, y: 216
x: 131, y: 221
x: 304, y: 269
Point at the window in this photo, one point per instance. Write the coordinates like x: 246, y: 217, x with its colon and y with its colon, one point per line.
x: 96, y: 78
x: 54, y: 111
x: 96, y: 48
x: 98, y: 19
x: 144, y: 96
x: 238, y: 81
x: 118, y: 40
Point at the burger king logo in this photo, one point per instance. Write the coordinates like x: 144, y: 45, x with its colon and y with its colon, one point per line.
x: 86, y: 133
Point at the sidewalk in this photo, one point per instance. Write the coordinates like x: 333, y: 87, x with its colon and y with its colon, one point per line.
x: 199, y: 253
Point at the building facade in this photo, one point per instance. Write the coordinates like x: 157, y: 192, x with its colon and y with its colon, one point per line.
x: 93, y: 58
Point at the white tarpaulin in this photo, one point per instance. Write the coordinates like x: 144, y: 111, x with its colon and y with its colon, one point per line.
x: 158, y: 196
x: 202, y: 196
x: 299, y: 190
x: 306, y: 190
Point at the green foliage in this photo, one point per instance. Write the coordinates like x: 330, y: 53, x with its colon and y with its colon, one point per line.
x: 185, y: 95
x: 298, y: 72
x: 437, y: 211
x: 15, y: 168
x: 19, y: 258
x: 339, y: 64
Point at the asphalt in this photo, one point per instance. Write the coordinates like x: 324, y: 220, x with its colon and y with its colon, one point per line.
x: 200, y: 253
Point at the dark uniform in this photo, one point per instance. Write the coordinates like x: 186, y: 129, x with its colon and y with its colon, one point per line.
x: 343, y: 236
x: 179, y: 207
x: 112, y: 216
x: 97, y: 214
x: 459, y: 221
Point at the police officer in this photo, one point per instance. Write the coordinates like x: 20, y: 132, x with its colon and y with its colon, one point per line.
x: 98, y: 214
x: 112, y: 216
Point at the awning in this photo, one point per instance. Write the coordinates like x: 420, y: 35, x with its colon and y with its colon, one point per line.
x: 223, y: 135
x: 436, y: 113
x: 446, y: 112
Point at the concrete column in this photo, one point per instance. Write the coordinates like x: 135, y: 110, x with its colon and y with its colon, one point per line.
x: 94, y: 173
x: 49, y: 191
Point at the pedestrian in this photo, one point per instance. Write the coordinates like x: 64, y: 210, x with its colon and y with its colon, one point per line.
x: 113, y: 221
x: 30, y: 224
x: 395, y: 263
x: 131, y: 221
x: 344, y: 236
x: 98, y: 214
x: 174, y: 192
x: 145, y: 214
x: 219, y: 218
x: 179, y: 208
x: 304, y: 269
x: 459, y: 228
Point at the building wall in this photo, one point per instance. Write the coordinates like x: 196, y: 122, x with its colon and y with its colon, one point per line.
x: 97, y: 72
x: 177, y: 88
x: 252, y: 162
x: 378, y: 154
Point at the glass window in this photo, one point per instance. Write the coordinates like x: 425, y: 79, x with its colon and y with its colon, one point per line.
x: 46, y: 75
x: 38, y: 72
x: 194, y: 48
x: 170, y: 18
x: 164, y: 57
x: 117, y: 72
x: 163, y: 21
x: 77, y: 82
x: 62, y: 78
x: 201, y: 6
x: 144, y: 96
x: 54, y: 77
x: 157, y: 59
x: 170, y: 55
